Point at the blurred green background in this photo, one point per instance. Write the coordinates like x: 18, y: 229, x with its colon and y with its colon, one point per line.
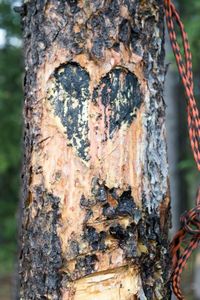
x: 11, y: 69
x: 11, y: 73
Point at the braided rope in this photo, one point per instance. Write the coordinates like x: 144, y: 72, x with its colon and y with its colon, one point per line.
x: 190, y: 221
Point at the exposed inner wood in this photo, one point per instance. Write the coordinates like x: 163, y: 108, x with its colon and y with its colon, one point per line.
x: 117, y: 162
x: 117, y: 284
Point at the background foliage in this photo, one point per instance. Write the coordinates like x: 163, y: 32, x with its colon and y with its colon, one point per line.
x: 10, y: 131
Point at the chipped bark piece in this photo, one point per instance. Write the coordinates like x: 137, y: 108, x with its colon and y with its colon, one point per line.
x: 95, y: 179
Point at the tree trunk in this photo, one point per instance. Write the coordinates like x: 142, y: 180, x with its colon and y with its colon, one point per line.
x: 172, y: 125
x: 95, y: 180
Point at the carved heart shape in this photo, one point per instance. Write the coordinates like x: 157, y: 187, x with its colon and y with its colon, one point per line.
x: 118, y: 96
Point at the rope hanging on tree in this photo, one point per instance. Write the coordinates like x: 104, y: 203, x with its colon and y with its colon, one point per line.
x: 180, y: 248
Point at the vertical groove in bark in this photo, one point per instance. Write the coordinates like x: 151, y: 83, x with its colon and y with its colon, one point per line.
x: 95, y: 190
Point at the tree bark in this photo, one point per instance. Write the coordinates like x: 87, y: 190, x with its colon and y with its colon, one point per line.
x: 95, y: 179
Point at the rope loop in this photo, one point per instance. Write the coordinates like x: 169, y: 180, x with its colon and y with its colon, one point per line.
x: 187, y: 238
x: 190, y: 221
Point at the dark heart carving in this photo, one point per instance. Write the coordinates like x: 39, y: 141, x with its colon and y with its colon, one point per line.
x: 118, y: 92
x: 69, y: 97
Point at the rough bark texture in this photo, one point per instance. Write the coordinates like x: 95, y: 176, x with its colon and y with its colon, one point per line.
x: 95, y: 189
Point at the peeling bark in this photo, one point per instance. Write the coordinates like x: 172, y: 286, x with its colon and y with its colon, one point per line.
x: 95, y: 178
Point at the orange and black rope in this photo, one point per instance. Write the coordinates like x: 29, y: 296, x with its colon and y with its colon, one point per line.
x: 189, y: 233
